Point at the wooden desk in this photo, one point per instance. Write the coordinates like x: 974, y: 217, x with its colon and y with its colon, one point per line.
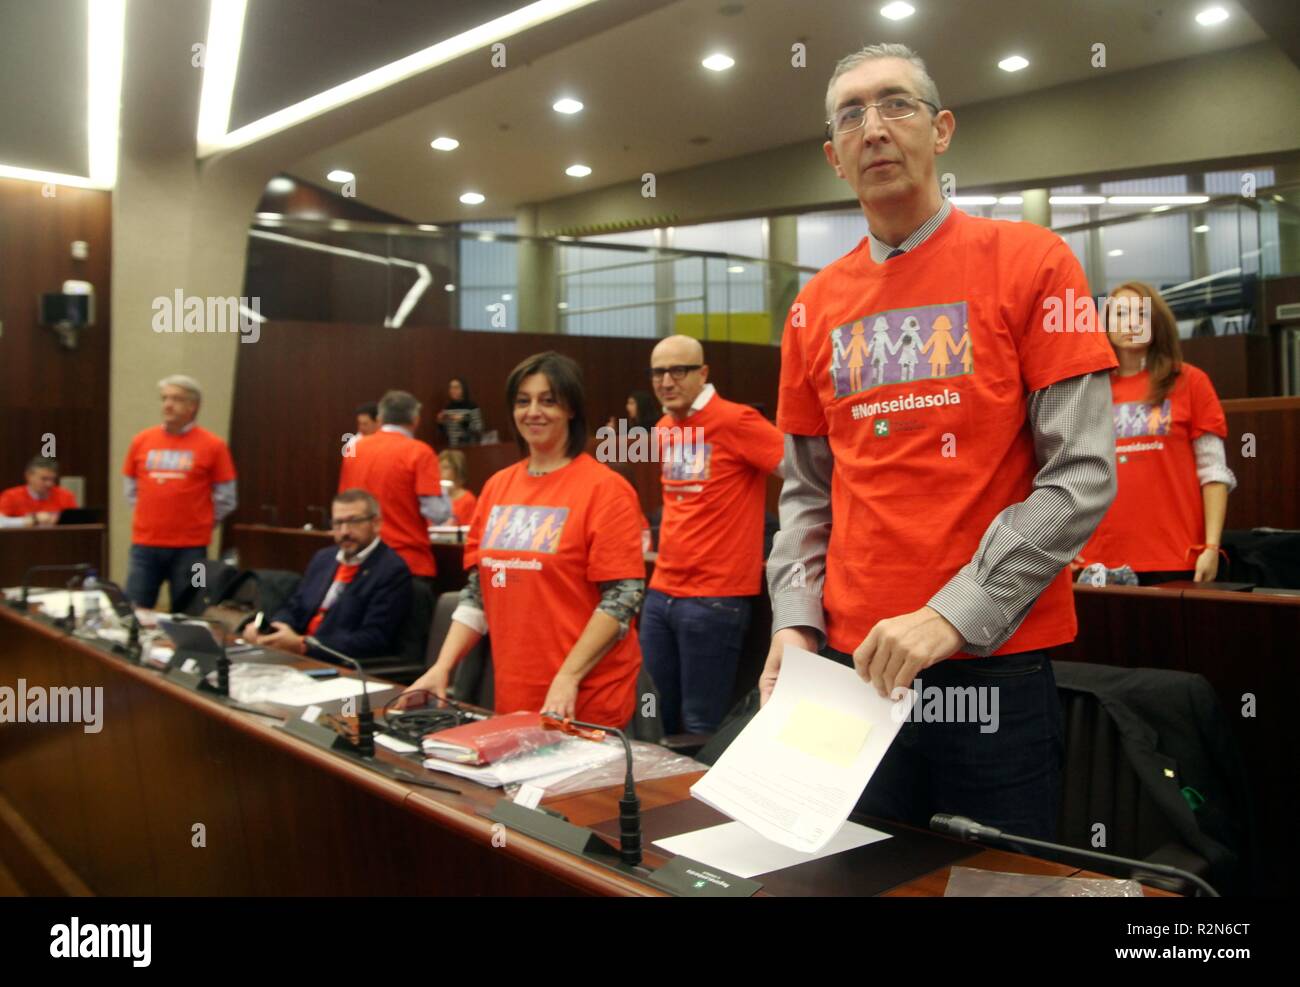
x: 115, y: 812
x: 1243, y: 643
x: 59, y: 544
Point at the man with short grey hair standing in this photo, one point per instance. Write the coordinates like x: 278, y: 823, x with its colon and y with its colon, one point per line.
x: 947, y: 454
x: 181, y: 482
x: 402, y: 473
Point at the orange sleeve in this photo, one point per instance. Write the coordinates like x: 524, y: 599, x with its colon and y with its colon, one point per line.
x: 1046, y: 357
x: 428, y: 478
x: 223, y: 467
x: 9, y: 505
x: 128, y: 465
x: 1206, y: 411
x: 614, y: 532
x: 67, y: 500
x: 799, y: 409
x: 761, y: 443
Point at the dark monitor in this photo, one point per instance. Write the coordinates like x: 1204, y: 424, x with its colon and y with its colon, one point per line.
x: 60, y: 309
x: 81, y: 515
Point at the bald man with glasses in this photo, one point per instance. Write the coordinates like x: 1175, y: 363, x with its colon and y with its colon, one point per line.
x: 716, y: 457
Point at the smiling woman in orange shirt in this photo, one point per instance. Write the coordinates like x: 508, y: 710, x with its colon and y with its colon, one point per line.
x: 1169, y: 454
x: 556, y: 574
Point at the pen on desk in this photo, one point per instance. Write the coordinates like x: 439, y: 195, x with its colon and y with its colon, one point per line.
x: 403, y: 776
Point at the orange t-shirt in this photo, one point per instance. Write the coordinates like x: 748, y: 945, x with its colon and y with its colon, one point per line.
x: 462, y: 508
x: 343, y: 574
x: 19, y: 502
x: 542, y: 544
x: 397, y: 471
x: 714, y: 485
x: 1158, y: 513
x: 174, y: 477
x: 919, y: 370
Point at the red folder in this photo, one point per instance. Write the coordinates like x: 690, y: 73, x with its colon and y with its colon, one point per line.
x: 487, y: 741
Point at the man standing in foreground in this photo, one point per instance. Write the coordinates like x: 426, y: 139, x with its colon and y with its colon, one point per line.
x: 946, y: 456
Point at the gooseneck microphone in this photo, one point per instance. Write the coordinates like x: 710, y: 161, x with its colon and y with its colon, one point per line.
x: 629, y: 806
x: 971, y: 831
x: 76, y: 567
x: 365, y: 742
x: 223, y: 660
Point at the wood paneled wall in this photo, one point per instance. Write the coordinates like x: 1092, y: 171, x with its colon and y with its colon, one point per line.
x: 296, y: 387
x: 43, y: 387
x: 1268, y: 480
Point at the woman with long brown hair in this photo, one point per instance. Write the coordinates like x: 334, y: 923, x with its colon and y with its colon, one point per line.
x: 1173, y: 477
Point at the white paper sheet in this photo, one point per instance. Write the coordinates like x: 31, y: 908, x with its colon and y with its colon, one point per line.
x: 737, y: 849
x: 796, y: 771
x: 326, y: 691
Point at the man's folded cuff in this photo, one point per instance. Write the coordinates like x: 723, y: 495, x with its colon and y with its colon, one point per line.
x: 795, y: 610
x: 965, y: 604
x: 471, y: 617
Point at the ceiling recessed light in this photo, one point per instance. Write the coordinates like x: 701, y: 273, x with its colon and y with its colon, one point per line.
x: 427, y: 226
x: 1200, y: 229
x: 578, y: 171
x: 507, y: 297
x: 1115, y: 253
x: 279, y: 185
x: 448, y: 287
x: 471, y: 198
x: 444, y: 143
x: 562, y: 305
x: 567, y: 105
x: 1211, y: 15
x: 1161, y: 208
x: 339, y: 175
x: 1011, y: 200
x: 897, y: 11
x: 718, y: 62
x: 736, y: 269
x: 1013, y: 63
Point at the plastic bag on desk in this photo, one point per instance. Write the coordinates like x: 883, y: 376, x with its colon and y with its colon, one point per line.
x: 649, y: 761
x: 251, y: 682
x: 970, y: 882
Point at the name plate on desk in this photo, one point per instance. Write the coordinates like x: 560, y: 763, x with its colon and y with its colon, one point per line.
x: 692, y: 879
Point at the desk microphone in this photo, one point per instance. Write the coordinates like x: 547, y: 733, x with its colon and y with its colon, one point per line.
x: 125, y: 612
x: 970, y: 831
x: 629, y: 806
x: 77, y: 567
x: 365, y: 742
x: 223, y: 660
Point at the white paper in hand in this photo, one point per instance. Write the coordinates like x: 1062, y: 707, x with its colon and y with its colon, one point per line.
x: 796, y: 771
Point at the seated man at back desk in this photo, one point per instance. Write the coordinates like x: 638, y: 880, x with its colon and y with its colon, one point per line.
x: 39, y: 500
x: 353, y: 599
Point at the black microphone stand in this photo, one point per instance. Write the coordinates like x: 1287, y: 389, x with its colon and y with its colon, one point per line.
x: 969, y: 830
x: 365, y: 739
x: 21, y: 603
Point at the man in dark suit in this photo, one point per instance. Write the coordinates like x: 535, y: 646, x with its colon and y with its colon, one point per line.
x: 353, y: 599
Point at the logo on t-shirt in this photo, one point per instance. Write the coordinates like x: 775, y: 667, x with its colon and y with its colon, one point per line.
x: 163, y: 464
x: 929, y: 342
x: 687, y: 462
x: 1133, y: 418
x: 524, y: 528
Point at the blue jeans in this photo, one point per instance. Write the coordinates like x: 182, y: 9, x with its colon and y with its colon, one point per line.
x: 1009, y: 778
x: 151, y: 566
x: 691, y: 646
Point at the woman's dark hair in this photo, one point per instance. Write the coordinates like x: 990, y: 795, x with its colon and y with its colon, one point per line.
x: 465, y: 400
x: 647, y: 408
x: 565, y: 377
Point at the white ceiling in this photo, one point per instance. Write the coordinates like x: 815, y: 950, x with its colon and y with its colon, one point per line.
x: 651, y: 106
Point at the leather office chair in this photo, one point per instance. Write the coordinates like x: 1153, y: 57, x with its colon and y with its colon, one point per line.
x: 413, y: 640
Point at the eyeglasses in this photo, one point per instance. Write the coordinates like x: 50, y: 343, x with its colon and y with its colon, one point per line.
x: 678, y: 372
x: 850, y: 118
x: 349, y: 522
